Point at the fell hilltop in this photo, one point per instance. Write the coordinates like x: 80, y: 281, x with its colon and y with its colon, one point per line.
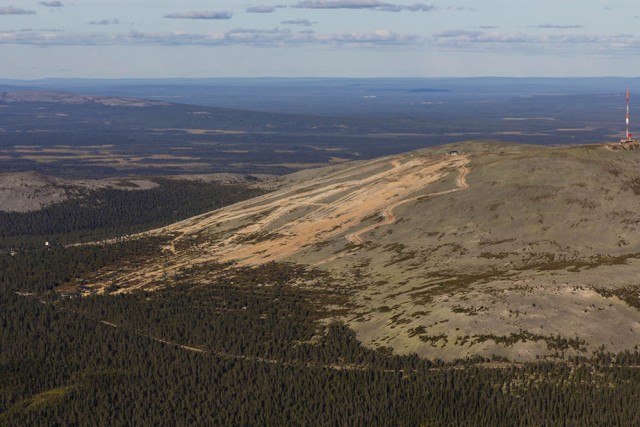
x: 477, y: 248
x: 31, y: 191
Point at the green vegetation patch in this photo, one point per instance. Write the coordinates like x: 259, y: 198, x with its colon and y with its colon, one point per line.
x: 629, y: 294
x: 553, y: 342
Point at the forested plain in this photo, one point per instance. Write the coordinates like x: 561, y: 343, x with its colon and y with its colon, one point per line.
x: 253, y: 349
x: 93, y: 140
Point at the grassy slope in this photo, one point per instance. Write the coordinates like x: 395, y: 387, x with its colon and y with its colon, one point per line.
x: 510, y: 264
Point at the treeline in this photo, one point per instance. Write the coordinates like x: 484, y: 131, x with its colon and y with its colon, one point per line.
x: 44, y: 269
x: 111, y: 212
x: 254, y: 312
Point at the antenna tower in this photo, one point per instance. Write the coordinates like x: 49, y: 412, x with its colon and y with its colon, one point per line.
x: 627, y: 119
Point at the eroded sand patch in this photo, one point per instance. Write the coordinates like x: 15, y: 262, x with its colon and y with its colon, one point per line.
x: 280, y: 224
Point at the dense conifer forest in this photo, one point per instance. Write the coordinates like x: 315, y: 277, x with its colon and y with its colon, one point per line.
x: 250, y: 349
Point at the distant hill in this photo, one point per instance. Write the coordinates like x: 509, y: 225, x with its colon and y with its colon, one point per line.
x: 477, y: 248
x: 32, y: 191
x: 70, y: 98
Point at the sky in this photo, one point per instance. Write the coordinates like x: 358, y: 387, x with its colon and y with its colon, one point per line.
x: 318, y: 38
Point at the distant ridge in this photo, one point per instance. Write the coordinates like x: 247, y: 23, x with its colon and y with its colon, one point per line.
x: 31, y: 191
x: 60, y: 97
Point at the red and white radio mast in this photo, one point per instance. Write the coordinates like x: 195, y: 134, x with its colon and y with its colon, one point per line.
x: 628, y: 135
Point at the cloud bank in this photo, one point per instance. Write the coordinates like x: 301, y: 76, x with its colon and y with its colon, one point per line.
x: 240, y: 36
x: 465, y: 40
x: 518, y: 41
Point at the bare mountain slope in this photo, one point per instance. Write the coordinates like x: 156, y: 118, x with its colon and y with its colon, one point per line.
x: 508, y: 250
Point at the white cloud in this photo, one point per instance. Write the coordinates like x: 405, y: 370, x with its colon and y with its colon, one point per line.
x: 419, y: 7
x: 104, y: 22
x: 301, y: 22
x: 261, y: 9
x: 10, y: 10
x: 558, y: 26
x: 340, y: 4
x: 378, y: 37
x: 363, y: 4
x: 51, y: 4
x: 199, y: 15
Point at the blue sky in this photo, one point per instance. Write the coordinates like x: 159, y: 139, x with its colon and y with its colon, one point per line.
x: 297, y: 38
